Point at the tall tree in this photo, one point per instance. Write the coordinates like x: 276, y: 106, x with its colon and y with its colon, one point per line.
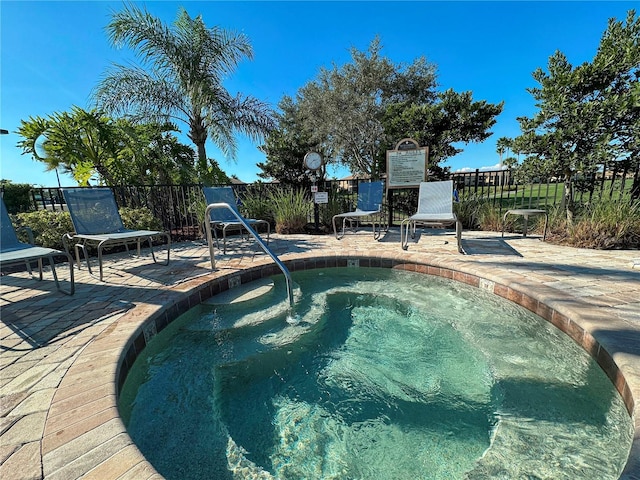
x: 451, y: 118
x: 590, y: 114
x: 503, y: 145
x: 344, y: 107
x: 359, y: 110
x: 88, y: 143
x: 151, y: 154
x: 80, y: 142
x: 286, y: 146
x: 181, y: 79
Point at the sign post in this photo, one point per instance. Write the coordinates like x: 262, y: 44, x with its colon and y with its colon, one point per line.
x: 313, y: 163
x: 406, y: 168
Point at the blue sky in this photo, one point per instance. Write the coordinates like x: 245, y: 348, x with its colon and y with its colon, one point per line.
x: 53, y: 53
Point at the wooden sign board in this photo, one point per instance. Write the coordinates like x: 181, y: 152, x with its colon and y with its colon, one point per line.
x: 406, y: 166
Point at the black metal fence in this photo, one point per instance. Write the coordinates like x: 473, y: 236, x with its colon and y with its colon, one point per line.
x: 181, y: 207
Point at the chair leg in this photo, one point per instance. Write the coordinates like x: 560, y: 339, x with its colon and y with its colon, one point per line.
x: 100, y: 261
x: 83, y: 247
x: 268, y: 231
x: 459, y: 236
x: 215, y: 234
x: 224, y: 240
x: 72, y: 284
x: 30, y: 270
x: 72, y: 287
x: 404, y: 238
x: 379, y: 233
x: 53, y: 270
x: 335, y: 230
x: 40, y: 269
x: 153, y: 255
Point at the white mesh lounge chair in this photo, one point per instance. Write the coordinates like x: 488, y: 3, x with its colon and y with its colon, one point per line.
x: 96, y: 221
x: 435, y: 208
x: 223, y: 219
x: 14, y: 251
x: 369, y: 206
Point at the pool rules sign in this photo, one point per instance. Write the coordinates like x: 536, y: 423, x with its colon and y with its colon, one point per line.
x: 407, y: 164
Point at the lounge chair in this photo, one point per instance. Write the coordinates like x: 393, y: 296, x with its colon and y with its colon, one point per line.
x: 369, y: 206
x: 14, y: 251
x: 96, y: 221
x: 435, y: 208
x: 224, y: 219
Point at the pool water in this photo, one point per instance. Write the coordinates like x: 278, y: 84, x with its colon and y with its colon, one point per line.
x: 382, y: 374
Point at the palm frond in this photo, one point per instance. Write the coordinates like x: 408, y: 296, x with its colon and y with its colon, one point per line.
x: 145, y: 34
x: 214, y: 51
x: 134, y: 91
x: 223, y: 137
x: 252, y: 117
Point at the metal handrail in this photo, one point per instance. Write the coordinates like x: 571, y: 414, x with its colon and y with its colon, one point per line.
x: 245, y: 224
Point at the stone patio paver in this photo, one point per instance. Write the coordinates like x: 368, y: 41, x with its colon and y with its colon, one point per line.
x: 59, y: 355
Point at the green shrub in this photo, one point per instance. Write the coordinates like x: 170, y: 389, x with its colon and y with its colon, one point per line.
x: 557, y: 226
x: 258, y: 206
x: 489, y: 216
x: 291, y: 208
x: 606, y: 225
x: 468, y: 211
x: 48, y: 227
x: 139, y: 219
x: 16, y: 196
x: 338, y: 203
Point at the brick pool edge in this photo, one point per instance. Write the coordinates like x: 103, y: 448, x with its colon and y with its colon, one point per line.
x: 106, y: 361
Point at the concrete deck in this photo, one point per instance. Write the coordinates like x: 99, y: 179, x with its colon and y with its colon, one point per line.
x: 61, y: 357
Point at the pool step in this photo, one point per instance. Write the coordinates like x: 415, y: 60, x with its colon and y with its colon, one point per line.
x: 242, y: 293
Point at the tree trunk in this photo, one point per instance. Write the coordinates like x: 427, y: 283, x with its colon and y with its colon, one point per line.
x: 202, y: 154
x: 198, y: 135
x: 106, y: 175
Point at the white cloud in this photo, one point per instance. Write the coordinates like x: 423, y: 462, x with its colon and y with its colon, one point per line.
x: 497, y: 166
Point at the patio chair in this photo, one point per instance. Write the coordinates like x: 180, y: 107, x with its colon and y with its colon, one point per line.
x: 369, y: 206
x: 435, y: 208
x: 14, y: 251
x: 97, y: 222
x: 224, y: 219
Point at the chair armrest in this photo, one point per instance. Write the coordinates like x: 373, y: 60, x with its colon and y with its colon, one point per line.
x: 66, y: 238
x: 29, y: 234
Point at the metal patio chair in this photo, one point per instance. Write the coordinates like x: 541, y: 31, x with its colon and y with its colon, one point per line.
x: 435, y: 208
x: 14, y: 251
x: 369, y: 207
x: 224, y: 219
x: 97, y: 222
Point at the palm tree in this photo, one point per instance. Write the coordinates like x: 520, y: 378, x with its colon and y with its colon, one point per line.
x: 503, y: 145
x: 180, y: 79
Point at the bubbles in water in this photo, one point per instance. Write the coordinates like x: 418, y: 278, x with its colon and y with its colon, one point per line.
x: 293, y: 319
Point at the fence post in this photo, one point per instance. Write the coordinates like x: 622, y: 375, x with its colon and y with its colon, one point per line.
x: 477, y: 180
